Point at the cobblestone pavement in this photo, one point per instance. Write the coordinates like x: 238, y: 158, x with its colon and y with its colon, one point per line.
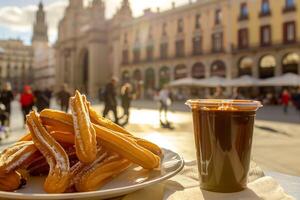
x: 276, y: 145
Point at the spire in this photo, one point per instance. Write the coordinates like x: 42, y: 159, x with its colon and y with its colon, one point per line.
x: 40, y: 29
x: 125, y: 11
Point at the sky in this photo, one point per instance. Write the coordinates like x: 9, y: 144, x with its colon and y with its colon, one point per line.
x: 17, y: 16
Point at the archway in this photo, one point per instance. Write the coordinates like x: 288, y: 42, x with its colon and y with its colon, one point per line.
x: 125, y: 77
x: 198, y: 70
x: 137, y: 75
x: 149, y: 79
x: 290, y: 63
x: 164, y: 76
x: 82, y: 74
x: 218, y: 68
x: 138, y: 84
x: 180, y: 71
x: 149, y: 83
x: 245, y: 66
x: 267, y: 66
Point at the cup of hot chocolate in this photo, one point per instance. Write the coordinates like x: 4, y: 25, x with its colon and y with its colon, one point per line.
x: 223, y: 131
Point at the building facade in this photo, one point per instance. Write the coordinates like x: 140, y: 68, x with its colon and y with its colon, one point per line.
x: 16, y: 63
x: 203, y: 38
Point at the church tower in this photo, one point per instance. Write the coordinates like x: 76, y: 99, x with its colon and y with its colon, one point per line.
x: 125, y: 12
x: 40, y: 28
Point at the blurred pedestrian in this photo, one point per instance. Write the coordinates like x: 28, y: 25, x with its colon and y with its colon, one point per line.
x: 41, y: 100
x: 285, y: 100
x: 63, y: 98
x: 27, y: 101
x: 126, y: 98
x: 236, y: 94
x: 296, y: 99
x: 219, y: 94
x: 110, y: 99
x: 48, y: 93
x: 6, y: 97
x: 165, y: 101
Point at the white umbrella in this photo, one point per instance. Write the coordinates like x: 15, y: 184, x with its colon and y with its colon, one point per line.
x: 184, y: 82
x: 288, y: 79
x: 213, y: 81
x: 243, y: 81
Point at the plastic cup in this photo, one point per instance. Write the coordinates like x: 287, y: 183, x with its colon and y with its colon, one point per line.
x: 223, y: 131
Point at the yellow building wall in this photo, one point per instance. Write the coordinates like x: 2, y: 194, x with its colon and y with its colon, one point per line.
x: 254, y: 23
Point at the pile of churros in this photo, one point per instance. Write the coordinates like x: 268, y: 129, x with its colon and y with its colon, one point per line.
x: 77, y: 152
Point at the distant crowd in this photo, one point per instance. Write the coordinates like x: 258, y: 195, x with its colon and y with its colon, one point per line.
x: 40, y: 99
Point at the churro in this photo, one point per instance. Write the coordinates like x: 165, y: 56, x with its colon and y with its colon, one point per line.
x: 59, y: 173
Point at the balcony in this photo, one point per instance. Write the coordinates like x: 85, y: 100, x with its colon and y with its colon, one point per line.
x: 243, y: 18
x: 265, y: 14
x: 288, y: 9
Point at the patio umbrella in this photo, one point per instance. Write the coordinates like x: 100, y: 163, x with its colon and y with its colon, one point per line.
x: 288, y: 79
x: 213, y: 81
x: 184, y: 82
x: 243, y: 81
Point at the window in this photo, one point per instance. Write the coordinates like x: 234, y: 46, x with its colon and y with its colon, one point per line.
x: 265, y: 35
x: 149, y: 52
x: 136, y: 55
x: 197, y: 45
x: 125, y: 38
x: 164, y: 50
x: 243, y: 38
x: 243, y: 11
x: 125, y: 57
x: 289, y: 3
x: 197, y: 21
x: 150, y: 33
x: 217, y: 42
x: 265, y: 8
x: 179, y: 48
x: 137, y: 36
x: 180, y: 25
x: 218, y: 16
x: 289, y: 32
x: 164, y: 29
x: 289, y: 6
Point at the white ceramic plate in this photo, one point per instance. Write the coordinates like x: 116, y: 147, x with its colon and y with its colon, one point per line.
x: 129, y: 181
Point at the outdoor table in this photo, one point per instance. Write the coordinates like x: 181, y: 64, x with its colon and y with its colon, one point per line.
x: 185, y: 186
x: 291, y: 184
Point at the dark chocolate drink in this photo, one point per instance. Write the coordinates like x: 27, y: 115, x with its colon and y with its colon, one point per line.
x: 223, y: 140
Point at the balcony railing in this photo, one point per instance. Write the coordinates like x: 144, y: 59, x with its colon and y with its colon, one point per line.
x: 287, y: 9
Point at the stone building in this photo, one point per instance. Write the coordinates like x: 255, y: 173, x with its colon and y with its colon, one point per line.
x: 201, y: 39
x: 44, y: 55
x: 16, y: 62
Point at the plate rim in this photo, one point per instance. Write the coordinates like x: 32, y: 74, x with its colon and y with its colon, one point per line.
x: 96, y: 193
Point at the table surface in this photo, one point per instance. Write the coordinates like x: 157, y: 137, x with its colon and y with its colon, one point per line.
x: 291, y: 184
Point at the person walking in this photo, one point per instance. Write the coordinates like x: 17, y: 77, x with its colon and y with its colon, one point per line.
x: 42, y: 101
x: 48, y: 94
x: 165, y: 101
x: 27, y: 101
x: 6, y: 97
x: 63, y: 98
x: 110, y: 100
x: 285, y: 99
x: 126, y: 98
x: 219, y: 94
x: 296, y: 100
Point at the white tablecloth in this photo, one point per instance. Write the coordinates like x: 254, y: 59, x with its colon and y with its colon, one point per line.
x: 185, y: 186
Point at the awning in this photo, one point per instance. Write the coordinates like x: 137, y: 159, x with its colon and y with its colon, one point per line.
x: 184, y: 82
x: 207, y: 82
x: 288, y: 79
x: 243, y: 81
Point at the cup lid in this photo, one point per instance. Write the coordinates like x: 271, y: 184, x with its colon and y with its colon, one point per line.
x: 224, y: 104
